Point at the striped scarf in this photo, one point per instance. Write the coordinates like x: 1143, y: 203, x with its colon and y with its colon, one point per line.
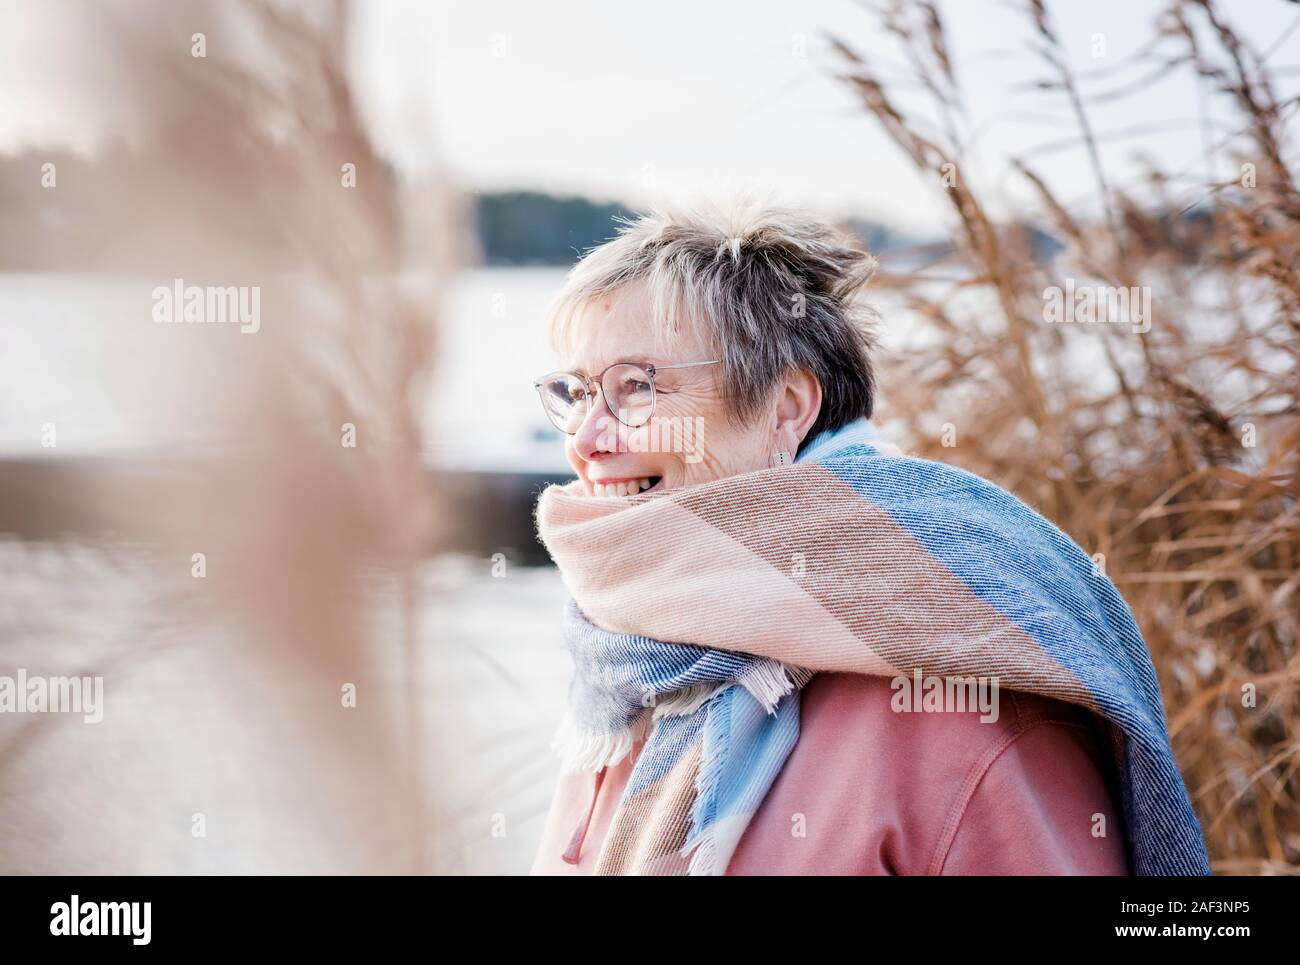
x: 853, y: 559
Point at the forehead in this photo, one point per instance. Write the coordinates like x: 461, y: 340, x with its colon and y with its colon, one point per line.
x: 621, y: 326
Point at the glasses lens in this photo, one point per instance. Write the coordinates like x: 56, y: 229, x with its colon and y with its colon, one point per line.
x: 629, y: 394
x: 564, y: 399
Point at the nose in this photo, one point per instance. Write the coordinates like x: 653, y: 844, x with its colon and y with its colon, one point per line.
x: 596, y: 435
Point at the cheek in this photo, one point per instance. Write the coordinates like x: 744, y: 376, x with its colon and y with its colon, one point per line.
x: 715, y: 446
x: 729, y: 455
x: 684, y: 424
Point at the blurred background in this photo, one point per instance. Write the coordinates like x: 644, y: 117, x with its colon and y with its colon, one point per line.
x: 299, y: 550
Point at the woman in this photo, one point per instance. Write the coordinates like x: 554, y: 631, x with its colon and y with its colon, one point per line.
x: 795, y: 650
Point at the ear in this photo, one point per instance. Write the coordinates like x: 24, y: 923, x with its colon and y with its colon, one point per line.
x: 798, y: 403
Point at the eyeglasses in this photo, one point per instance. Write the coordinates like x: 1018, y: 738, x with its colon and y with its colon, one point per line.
x: 628, y: 388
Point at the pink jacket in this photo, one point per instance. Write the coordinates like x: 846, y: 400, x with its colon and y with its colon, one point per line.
x: 869, y: 791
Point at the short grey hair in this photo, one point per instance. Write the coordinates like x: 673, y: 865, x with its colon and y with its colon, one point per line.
x: 770, y: 289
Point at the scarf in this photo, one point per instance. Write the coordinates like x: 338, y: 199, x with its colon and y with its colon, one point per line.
x: 697, y: 614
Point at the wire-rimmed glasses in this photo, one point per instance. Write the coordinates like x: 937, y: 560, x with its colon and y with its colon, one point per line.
x: 628, y: 388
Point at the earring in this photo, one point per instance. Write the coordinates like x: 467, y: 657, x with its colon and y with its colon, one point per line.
x: 779, y: 459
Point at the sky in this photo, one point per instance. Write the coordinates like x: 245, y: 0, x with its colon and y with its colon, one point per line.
x: 685, y: 99
x: 642, y: 103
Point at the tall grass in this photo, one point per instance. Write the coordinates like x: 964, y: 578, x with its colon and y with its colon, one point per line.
x: 1171, y: 454
x: 246, y: 146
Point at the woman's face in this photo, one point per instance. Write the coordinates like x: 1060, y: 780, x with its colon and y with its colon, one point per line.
x: 689, y: 440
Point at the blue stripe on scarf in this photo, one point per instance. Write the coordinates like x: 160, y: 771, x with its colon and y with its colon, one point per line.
x: 1014, y: 559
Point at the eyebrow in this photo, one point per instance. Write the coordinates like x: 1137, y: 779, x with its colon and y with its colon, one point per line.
x: 633, y: 359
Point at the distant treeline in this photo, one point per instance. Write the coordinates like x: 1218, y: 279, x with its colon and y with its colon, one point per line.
x: 68, y: 213
x: 532, y: 228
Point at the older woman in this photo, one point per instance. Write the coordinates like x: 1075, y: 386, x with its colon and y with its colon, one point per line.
x: 797, y: 651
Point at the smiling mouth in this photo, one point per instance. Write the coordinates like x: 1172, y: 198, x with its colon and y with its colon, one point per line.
x: 626, y: 487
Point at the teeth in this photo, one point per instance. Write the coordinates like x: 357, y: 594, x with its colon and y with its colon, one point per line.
x: 630, y: 488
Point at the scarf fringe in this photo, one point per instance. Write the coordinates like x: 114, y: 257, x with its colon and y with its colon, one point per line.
x: 591, y: 752
x: 701, y: 847
x: 768, y: 681
x: 684, y: 702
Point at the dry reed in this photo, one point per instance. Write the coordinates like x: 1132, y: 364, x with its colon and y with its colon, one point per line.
x: 1171, y: 454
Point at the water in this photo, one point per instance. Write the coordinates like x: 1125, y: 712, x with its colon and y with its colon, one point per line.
x: 194, y: 724
x: 81, y: 353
